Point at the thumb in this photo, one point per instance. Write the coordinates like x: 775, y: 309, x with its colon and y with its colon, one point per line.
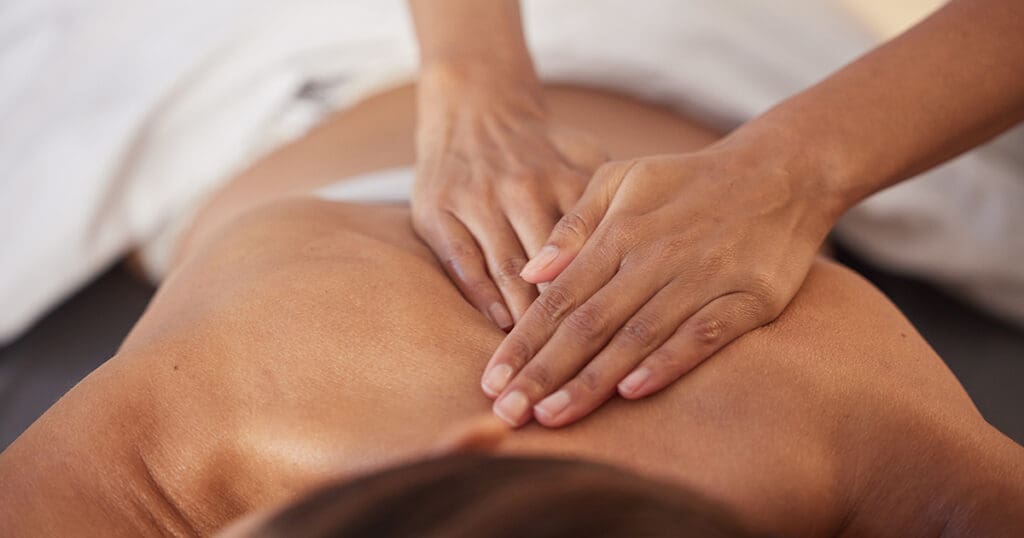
x: 575, y: 227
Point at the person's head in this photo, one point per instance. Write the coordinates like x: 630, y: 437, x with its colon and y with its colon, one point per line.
x: 480, y: 495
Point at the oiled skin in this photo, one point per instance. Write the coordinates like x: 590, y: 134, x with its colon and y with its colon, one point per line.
x: 304, y: 339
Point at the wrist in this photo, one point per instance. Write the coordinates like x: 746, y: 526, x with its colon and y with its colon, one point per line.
x: 836, y: 165
x: 507, y: 66
x: 470, y: 32
x: 787, y: 174
x: 472, y: 85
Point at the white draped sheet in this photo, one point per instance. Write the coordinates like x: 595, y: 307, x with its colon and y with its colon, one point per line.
x: 117, y: 117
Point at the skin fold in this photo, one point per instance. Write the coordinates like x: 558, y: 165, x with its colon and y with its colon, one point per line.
x: 299, y: 340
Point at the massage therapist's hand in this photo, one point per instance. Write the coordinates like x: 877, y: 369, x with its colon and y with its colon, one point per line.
x: 663, y: 261
x: 493, y: 178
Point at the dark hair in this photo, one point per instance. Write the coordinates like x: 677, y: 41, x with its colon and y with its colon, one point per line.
x: 477, y: 495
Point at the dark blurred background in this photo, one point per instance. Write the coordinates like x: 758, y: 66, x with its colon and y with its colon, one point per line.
x: 986, y: 354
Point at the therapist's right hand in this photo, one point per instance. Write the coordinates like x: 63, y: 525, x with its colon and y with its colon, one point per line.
x: 493, y: 176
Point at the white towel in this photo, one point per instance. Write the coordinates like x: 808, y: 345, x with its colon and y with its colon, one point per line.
x: 119, y: 116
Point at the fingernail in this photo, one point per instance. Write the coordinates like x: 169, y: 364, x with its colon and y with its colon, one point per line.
x: 500, y: 315
x: 512, y: 407
x: 634, y: 381
x: 496, y: 378
x: 543, y: 258
x: 553, y: 405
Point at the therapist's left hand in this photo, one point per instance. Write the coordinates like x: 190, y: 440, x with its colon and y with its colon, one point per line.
x: 663, y: 261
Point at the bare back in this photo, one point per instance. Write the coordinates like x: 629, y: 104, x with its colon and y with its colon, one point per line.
x: 302, y: 339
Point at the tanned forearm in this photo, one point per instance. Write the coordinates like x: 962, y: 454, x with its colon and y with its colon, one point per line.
x: 945, y: 86
x: 472, y: 32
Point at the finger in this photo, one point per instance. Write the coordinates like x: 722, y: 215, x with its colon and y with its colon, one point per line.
x: 569, y: 189
x: 647, y: 329
x: 533, y: 225
x: 577, y: 284
x: 719, y: 322
x: 575, y: 227
x: 568, y: 198
x: 505, y: 260
x: 576, y: 340
x: 462, y: 261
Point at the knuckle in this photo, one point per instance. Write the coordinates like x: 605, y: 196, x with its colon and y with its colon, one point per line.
x: 641, y: 330
x: 612, y: 168
x: 763, y: 289
x: 517, y: 351
x: 764, y: 301
x: 590, y: 380
x: 458, y: 253
x: 622, y: 231
x: 537, y: 377
x: 586, y: 323
x: 508, y: 269
x: 607, y: 248
x: 556, y: 301
x: 708, y: 331
x: 676, y: 243
x: 572, y: 224
x: 479, y: 287
x: 715, y: 263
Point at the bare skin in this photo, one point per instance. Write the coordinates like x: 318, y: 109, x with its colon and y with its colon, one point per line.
x: 667, y: 258
x: 300, y: 339
x: 495, y: 170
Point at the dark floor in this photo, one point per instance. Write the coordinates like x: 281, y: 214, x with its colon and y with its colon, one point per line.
x: 987, y: 355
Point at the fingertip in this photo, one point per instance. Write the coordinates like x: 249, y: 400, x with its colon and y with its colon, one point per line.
x: 544, y: 420
x: 489, y: 392
x: 566, y: 418
x: 539, y: 264
x: 500, y: 315
x: 552, y: 411
x: 636, y: 384
x: 495, y: 379
x: 549, y: 272
x: 513, y: 408
x: 627, y: 395
x: 540, y: 277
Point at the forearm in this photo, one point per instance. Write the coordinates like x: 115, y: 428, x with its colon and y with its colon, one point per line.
x: 948, y: 84
x: 486, y: 33
x: 473, y: 60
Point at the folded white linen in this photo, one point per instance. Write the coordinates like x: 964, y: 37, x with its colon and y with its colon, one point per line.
x: 118, y: 116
